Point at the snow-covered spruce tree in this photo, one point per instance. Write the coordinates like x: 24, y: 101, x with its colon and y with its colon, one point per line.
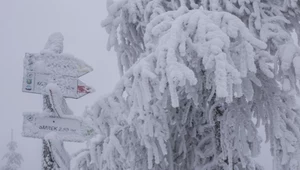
x: 198, y: 77
x: 14, y: 159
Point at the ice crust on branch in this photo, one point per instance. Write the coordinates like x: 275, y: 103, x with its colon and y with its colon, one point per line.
x: 194, y: 75
x: 205, y: 38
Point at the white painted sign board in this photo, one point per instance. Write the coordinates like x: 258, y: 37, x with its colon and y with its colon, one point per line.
x: 37, y: 125
x: 70, y: 87
x: 58, y: 64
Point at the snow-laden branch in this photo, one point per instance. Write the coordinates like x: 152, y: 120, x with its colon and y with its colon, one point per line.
x: 194, y: 75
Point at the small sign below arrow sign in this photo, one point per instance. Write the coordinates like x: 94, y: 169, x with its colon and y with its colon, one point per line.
x: 70, y: 87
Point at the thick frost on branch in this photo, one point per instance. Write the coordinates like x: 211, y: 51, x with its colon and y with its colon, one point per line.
x: 209, y: 41
x: 194, y: 75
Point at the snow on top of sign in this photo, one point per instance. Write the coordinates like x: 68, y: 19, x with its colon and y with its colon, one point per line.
x: 54, y: 43
x: 53, y: 87
x: 52, y: 60
x: 47, y: 114
x: 60, y: 64
x: 37, y: 114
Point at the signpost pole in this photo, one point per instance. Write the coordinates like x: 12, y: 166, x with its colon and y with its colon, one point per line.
x: 48, y: 162
x: 55, y: 75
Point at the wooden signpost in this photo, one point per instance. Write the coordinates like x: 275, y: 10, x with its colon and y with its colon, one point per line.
x: 55, y: 75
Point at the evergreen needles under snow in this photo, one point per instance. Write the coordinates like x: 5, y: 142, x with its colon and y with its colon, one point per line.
x: 195, y: 74
x: 13, y: 159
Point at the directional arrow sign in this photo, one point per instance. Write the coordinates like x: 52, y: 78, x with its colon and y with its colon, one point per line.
x: 70, y: 87
x: 37, y: 125
x: 59, y: 64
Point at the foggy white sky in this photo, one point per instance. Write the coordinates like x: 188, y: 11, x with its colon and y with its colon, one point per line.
x: 24, y: 27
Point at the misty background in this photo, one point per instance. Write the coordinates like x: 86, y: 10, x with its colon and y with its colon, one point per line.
x: 24, y: 27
